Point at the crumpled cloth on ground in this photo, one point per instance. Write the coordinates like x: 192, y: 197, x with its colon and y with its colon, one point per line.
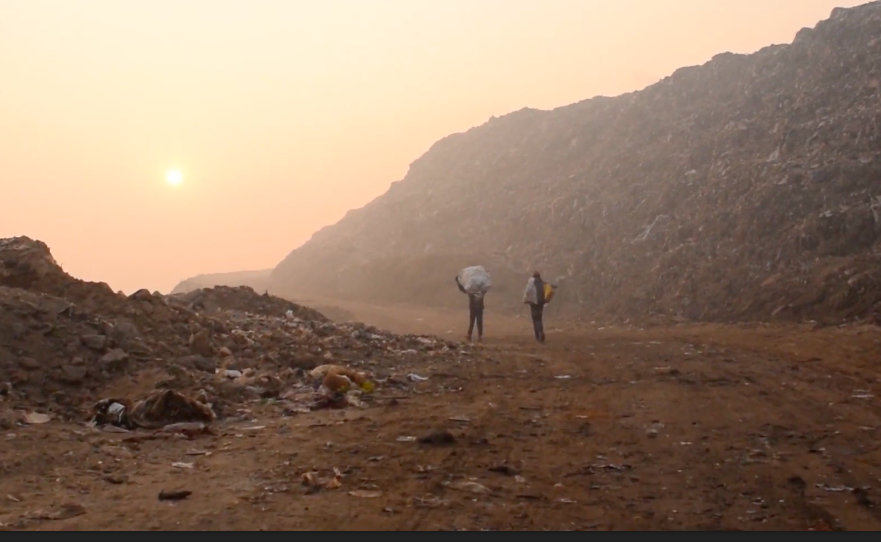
x: 159, y: 410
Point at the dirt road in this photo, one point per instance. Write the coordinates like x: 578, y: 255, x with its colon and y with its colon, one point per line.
x: 693, y: 427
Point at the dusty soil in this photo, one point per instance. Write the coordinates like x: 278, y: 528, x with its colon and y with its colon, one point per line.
x: 691, y: 427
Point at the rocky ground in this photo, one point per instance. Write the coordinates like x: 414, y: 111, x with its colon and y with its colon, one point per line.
x: 62, y: 340
x: 665, y: 428
x: 229, y: 410
x: 679, y: 428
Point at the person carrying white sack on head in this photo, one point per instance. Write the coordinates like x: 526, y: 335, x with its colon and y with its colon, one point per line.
x: 477, y: 283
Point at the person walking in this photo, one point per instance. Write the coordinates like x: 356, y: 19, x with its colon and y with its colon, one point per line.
x: 534, y: 296
x: 475, y: 311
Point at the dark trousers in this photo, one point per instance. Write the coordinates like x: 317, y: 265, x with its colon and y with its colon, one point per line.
x: 536, y: 311
x: 475, y: 316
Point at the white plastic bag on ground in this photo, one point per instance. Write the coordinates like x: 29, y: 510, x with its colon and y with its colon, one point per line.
x: 475, y: 280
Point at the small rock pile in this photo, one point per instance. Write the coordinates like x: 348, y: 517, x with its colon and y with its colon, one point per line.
x: 744, y: 189
x: 258, y: 280
x: 58, y: 353
x: 242, y: 299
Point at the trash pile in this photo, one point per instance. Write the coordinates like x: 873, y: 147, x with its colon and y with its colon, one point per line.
x: 743, y: 189
x: 242, y: 299
x: 258, y: 280
x: 217, y: 348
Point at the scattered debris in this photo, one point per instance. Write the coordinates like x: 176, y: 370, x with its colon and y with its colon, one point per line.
x: 835, y: 489
x: 314, y: 482
x: 220, y: 347
x: 188, y: 429
x: 366, y: 494
x: 66, y: 511
x: 34, y: 418
x: 161, y: 409
x: 438, y: 438
x: 429, y: 501
x: 174, y: 495
x: 505, y: 470
x: 470, y: 487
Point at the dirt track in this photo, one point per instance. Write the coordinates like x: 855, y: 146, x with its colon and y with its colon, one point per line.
x: 702, y: 427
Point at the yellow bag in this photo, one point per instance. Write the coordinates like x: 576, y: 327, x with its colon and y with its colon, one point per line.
x: 549, y: 292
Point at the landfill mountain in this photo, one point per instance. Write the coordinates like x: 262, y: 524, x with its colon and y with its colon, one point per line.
x: 748, y: 188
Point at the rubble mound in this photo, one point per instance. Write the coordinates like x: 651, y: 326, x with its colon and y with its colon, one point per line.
x: 54, y: 351
x: 60, y: 348
x: 244, y: 299
x: 258, y: 280
x: 28, y: 264
x: 744, y: 189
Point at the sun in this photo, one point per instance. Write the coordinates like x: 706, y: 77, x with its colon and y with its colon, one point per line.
x: 174, y: 177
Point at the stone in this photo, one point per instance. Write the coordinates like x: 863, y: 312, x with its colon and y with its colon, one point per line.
x: 29, y: 364
x: 18, y: 330
x: 18, y: 377
x: 115, y: 360
x: 198, y: 363
x: 73, y: 375
x: 142, y: 295
x: 7, y: 419
x: 94, y: 342
x: 200, y: 343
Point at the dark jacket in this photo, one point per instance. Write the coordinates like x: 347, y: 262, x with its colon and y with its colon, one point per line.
x: 475, y: 302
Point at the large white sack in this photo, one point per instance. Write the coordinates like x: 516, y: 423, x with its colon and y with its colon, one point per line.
x: 529, y: 294
x: 475, y: 280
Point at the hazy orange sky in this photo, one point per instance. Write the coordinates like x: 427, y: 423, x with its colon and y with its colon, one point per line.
x: 284, y: 114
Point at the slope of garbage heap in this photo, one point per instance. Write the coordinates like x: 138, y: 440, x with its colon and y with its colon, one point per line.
x: 743, y: 189
x: 242, y: 299
x: 258, y: 280
x: 59, y: 354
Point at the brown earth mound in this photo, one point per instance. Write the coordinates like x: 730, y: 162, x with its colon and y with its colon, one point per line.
x: 743, y: 189
x: 28, y: 264
x: 258, y: 280
x: 243, y: 299
x: 63, y: 341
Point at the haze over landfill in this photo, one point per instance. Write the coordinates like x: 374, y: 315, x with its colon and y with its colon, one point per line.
x: 284, y: 115
x: 421, y: 266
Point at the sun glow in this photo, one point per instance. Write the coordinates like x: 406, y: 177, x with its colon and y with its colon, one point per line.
x: 174, y: 177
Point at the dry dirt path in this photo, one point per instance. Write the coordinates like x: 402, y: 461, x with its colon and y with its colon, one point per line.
x: 703, y: 427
